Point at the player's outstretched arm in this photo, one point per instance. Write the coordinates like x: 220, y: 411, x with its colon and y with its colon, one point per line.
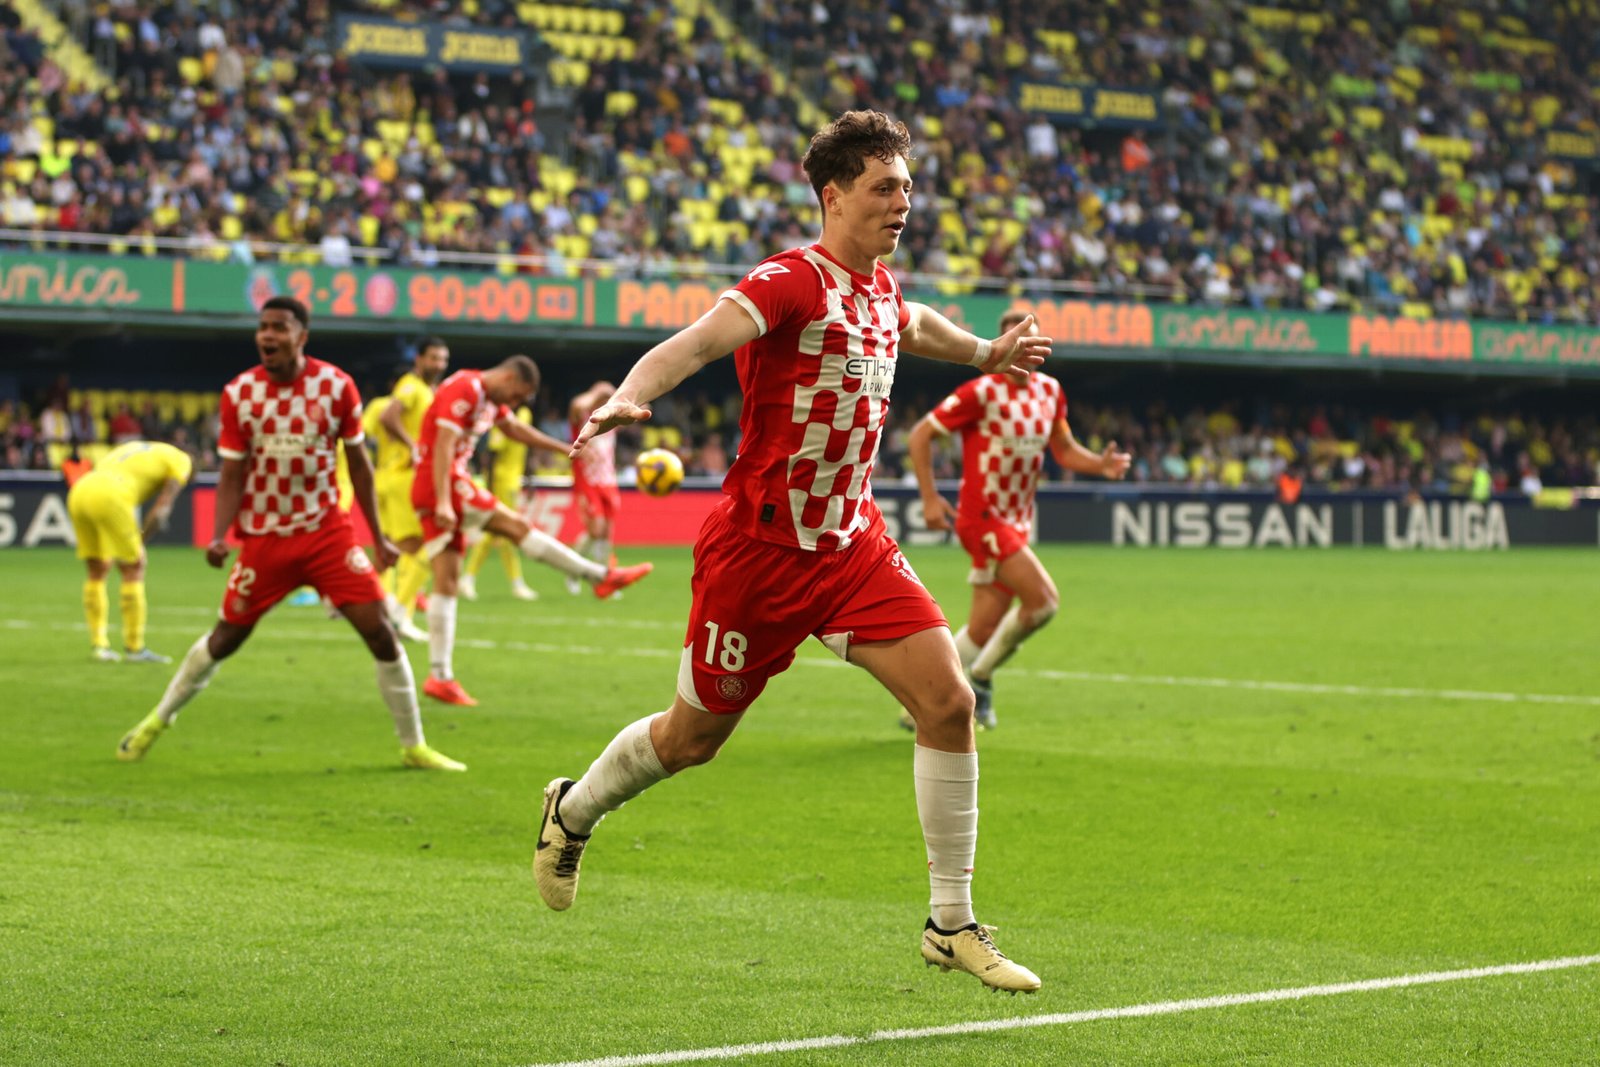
x: 716, y: 333
x: 936, y: 510
x: 160, y: 509
x: 1111, y: 463
x: 533, y: 437
x: 932, y: 336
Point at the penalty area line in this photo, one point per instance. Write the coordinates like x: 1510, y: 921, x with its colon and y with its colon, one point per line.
x: 1135, y: 1011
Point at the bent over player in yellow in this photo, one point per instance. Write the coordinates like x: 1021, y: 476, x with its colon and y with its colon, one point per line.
x: 103, y: 505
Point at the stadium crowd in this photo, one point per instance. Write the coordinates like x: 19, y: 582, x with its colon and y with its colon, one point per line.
x: 1230, y: 446
x: 1388, y: 155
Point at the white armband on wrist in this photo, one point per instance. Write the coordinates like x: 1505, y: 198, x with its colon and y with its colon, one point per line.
x: 981, y: 356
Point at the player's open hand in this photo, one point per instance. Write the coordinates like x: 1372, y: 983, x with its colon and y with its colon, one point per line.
x: 607, y: 417
x: 937, y: 514
x: 385, y: 551
x: 217, y: 553
x: 1114, y: 464
x: 1018, y: 351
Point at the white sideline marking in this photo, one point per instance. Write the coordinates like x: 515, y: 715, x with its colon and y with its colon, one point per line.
x: 1136, y: 1011
x: 277, y: 631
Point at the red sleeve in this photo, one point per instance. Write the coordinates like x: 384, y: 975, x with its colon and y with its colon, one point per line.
x: 349, y: 411
x: 231, y: 441
x: 778, y: 291
x: 960, y: 409
x: 453, y: 404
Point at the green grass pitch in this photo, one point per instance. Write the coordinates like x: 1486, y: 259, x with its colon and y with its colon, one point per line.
x: 269, y: 887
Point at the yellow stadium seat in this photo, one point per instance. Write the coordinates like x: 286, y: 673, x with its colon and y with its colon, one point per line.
x: 191, y: 70
x: 621, y: 103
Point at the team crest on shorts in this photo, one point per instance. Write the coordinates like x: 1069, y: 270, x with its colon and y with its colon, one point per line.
x: 357, y: 561
x: 240, y: 605
x: 731, y: 687
x: 901, y: 564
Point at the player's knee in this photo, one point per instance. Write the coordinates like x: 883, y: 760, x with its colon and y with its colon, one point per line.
x: 679, y: 752
x: 952, y: 706
x: 382, y: 642
x: 1043, y: 613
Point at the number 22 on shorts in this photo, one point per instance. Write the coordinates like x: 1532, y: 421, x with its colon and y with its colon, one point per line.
x: 242, y: 579
x: 734, y: 645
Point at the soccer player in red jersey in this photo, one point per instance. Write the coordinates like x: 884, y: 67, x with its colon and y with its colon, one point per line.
x: 282, y: 424
x: 450, y: 503
x: 594, y: 480
x: 798, y: 547
x: 1005, y: 427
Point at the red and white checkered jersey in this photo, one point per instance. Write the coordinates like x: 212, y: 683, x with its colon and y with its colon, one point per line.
x: 816, y: 397
x: 1005, y: 429
x: 289, y: 435
x: 463, y: 404
x: 596, y: 465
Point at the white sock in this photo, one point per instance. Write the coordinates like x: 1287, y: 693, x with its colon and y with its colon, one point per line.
x: 627, y: 767
x: 546, y: 549
x: 966, y: 648
x: 581, y: 545
x: 193, y: 675
x: 399, y: 690
x: 1012, y: 631
x: 600, y: 552
x: 947, y: 804
x: 441, y: 634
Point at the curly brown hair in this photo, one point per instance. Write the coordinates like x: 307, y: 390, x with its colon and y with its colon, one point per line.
x: 840, y: 150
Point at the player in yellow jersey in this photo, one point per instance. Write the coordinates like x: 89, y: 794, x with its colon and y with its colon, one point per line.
x: 102, y: 504
x: 402, y: 419
x: 508, y: 462
x: 392, y: 473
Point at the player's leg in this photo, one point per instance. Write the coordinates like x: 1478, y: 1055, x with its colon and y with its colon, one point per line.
x: 538, y: 545
x: 924, y: 674
x: 745, y: 621
x: 441, y: 683
x: 97, y: 607
x: 397, y: 686
x: 136, y: 613
x: 891, y: 626
x: 194, y: 673
x: 83, y: 509
x: 411, y: 578
x: 1036, y: 604
x: 467, y: 584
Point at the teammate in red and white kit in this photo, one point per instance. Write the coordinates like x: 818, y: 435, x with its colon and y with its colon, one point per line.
x: 282, y: 425
x: 594, y: 480
x: 798, y: 547
x: 1005, y: 427
x: 450, y: 503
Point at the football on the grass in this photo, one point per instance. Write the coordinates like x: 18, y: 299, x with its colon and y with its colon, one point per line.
x: 660, y: 471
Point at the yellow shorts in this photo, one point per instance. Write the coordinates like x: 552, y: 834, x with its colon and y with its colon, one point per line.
x: 399, y: 518
x: 104, y: 521
x: 508, y: 490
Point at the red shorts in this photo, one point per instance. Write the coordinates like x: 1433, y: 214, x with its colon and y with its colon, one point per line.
x: 990, y: 542
x: 603, y: 500
x: 473, y: 504
x: 271, y: 567
x: 755, y: 602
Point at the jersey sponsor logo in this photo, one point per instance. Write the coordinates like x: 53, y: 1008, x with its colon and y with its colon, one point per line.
x: 766, y: 272
x: 461, y: 407
x: 901, y: 564
x: 286, y: 445
x: 357, y: 561
x: 876, y: 374
x: 731, y: 687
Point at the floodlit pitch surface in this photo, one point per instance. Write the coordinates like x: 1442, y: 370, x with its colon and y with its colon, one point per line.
x: 269, y: 886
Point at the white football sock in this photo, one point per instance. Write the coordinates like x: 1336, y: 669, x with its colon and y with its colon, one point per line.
x: 947, y: 804
x: 966, y: 648
x: 193, y: 675
x: 399, y: 691
x: 546, y: 549
x: 441, y: 634
x: 627, y: 767
x: 1012, y: 631
x: 600, y: 552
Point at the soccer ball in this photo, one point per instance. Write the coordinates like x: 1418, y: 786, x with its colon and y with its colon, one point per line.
x: 660, y: 471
